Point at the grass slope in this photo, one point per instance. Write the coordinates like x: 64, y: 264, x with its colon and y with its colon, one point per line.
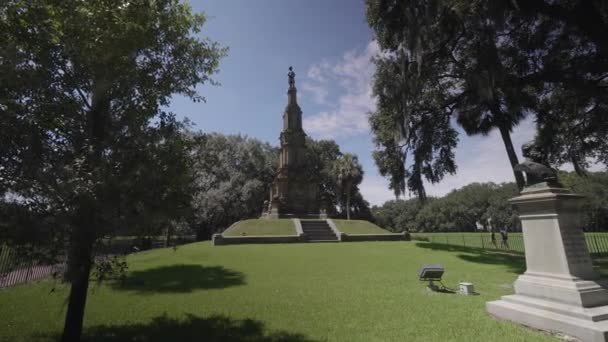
x: 288, y: 292
x: 262, y: 227
x: 354, y: 227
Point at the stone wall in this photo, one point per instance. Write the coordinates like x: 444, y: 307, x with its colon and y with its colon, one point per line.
x: 220, y: 240
x: 375, y: 237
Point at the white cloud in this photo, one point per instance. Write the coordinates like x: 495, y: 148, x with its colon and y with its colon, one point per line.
x: 315, y: 72
x: 349, y: 115
x: 484, y: 159
x: 374, y: 189
x: 318, y: 92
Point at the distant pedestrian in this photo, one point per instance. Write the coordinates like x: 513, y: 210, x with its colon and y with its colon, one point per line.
x: 493, y: 237
x: 505, y: 237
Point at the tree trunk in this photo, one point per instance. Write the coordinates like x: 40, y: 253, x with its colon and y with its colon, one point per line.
x: 578, y: 168
x: 506, y: 139
x: 84, y: 231
x: 78, y: 274
x: 348, y: 201
x: 168, y: 237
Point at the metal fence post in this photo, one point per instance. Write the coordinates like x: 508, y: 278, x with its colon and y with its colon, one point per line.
x: 29, y: 270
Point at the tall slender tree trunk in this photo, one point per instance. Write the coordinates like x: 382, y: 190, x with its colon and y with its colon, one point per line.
x: 506, y: 139
x: 79, y: 267
x: 80, y: 257
x: 348, y: 187
x: 578, y: 168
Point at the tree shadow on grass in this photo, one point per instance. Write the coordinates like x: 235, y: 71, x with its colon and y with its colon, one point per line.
x: 515, y: 261
x: 180, y: 278
x: 191, y: 329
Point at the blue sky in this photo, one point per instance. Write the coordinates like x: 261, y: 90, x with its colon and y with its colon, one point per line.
x: 329, y: 45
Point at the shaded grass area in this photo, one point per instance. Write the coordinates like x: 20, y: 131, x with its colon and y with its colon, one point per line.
x: 262, y: 227
x: 180, y: 278
x: 192, y: 328
x: 513, y: 262
x: 366, y: 291
x: 355, y: 227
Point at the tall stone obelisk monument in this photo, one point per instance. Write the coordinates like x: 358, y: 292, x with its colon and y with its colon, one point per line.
x: 293, y: 194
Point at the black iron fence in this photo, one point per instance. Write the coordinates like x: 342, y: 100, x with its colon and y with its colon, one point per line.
x: 597, y: 243
x: 18, y: 268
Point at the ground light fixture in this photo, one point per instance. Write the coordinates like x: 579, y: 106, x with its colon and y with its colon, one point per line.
x: 431, y: 273
x: 434, y: 272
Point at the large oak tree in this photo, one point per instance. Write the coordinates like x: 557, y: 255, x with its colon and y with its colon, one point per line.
x: 84, y: 135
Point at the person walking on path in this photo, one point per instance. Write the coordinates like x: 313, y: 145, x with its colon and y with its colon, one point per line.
x: 505, y: 237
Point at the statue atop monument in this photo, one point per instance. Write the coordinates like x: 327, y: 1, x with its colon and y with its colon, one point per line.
x: 535, y: 168
x: 292, y: 78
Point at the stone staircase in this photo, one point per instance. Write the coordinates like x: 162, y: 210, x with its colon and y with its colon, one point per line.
x: 318, y: 230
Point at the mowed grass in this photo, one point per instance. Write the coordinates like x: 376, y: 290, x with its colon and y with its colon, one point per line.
x: 354, y: 227
x: 262, y: 227
x: 364, y: 291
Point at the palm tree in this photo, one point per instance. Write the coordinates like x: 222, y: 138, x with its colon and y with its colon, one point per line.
x: 348, y: 172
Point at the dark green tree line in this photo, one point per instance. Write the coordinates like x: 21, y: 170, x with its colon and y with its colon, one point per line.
x: 485, y: 206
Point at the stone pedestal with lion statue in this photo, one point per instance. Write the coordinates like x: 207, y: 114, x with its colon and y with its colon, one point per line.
x: 560, y: 291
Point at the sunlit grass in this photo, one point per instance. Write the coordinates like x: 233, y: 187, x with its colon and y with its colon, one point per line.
x: 359, y: 227
x: 365, y: 291
x: 262, y: 227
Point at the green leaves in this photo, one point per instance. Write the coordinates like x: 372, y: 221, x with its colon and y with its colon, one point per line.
x: 411, y: 124
x: 460, y: 210
x: 488, y: 64
x: 233, y: 175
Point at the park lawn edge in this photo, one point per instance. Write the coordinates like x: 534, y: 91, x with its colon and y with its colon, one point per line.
x: 262, y: 227
x: 358, y: 227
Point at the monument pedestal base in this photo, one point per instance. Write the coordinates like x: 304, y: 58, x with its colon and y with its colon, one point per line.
x: 587, y: 324
x: 274, y: 213
x: 560, y: 291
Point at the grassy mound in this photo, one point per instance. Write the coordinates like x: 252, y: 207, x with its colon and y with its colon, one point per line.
x: 262, y: 227
x: 297, y: 292
x: 354, y: 227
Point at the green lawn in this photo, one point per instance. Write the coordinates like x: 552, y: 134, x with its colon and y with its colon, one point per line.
x: 354, y: 227
x: 288, y: 292
x: 262, y: 227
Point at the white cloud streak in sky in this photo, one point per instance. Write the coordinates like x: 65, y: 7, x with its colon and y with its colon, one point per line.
x: 317, y: 92
x: 348, y: 116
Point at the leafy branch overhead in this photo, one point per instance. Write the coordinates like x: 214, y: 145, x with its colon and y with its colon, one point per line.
x: 486, y: 65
